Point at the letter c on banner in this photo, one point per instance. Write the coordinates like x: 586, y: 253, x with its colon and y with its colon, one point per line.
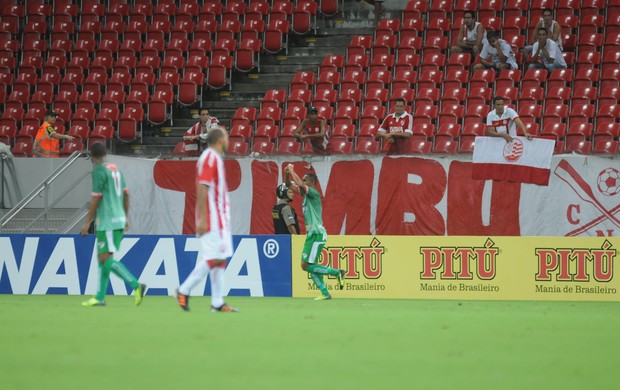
x: 569, y: 213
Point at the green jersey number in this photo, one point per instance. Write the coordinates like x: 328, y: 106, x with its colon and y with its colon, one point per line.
x: 116, y: 176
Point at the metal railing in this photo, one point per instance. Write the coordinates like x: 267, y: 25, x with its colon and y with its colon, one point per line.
x: 44, y: 188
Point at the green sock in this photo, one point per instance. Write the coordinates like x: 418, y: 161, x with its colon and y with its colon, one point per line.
x: 122, y: 272
x: 104, y: 280
x: 318, y: 281
x: 321, y: 269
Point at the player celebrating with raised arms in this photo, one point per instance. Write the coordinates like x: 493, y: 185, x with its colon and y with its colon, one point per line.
x: 316, y: 236
x: 110, y: 202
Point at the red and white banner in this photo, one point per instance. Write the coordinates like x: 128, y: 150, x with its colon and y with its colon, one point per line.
x: 411, y: 195
x: 519, y: 161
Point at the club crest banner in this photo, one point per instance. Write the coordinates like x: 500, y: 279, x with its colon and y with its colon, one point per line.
x: 519, y: 161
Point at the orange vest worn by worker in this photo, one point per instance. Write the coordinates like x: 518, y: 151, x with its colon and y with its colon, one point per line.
x: 45, y: 145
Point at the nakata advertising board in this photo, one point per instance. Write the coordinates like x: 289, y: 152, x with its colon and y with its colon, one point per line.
x: 485, y: 268
x: 66, y: 264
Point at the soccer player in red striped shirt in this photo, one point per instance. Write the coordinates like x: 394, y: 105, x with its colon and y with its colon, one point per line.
x: 212, y: 223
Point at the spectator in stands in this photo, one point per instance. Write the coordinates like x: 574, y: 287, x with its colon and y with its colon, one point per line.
x: 547, y: 53
x: 196, y: 136
x: 396, y: 128
x: 315, y: 131
x: 503, y: 121
x: 553, y: 31
x: 47, y: 141
x: 472, y: 35
x: 500, y: 53
x: 284, y: 216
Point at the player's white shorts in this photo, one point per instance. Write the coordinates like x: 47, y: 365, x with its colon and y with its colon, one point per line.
x: 216, y: 245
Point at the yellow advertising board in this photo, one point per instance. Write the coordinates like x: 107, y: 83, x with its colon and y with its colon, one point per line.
x: 484, y: 268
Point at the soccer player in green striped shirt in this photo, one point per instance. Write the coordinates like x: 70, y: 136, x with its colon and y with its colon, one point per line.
x: 316, y: 236
x: 110, y: 203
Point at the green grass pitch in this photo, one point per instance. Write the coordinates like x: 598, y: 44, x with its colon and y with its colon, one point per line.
x: 51, y: 342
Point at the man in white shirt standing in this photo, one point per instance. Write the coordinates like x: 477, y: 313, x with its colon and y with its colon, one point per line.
x: 547, y: 53
x: 503, y: 121
x: 499, y: 52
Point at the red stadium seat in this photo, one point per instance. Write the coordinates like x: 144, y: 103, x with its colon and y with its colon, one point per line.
x: 368, y: 131
x: 376, y: 96
x: 304, y: 17
x: 248, y: 55
x: 608, y: 113
x: 276, y: 36
x: 479, y: 96
x: 293, y: 115
x: 560, y: 78
x: 219, y: 73
x: 159, y: 108
x: 70, y: 147
x: 579, y: 147
x: 346, y: 115
x: 555, y: 131
x: 366, y: 146
x: 8, y: 131
x: 237, y: 147
x: 418, y: 146
x: 263, y: 147
x: 243, y: 131
x: 289, y: 147
x: 340, y: 146
x: 534, y: 78
x: 372, y: 114
x: 303, y: 80
x: 609, y: 147
x: 555, y: 113
x: 350, y: 97
x: 266, y: 133
x: 456, y: 79
x: 360, y: 44
x: 585, y: 77
x: 273, y: 98
x: 475, y: 114
x: 269, y: 116
x: 451, y: 113
x: 299, y: 98
x: 584, y: 95
x: 22, y: 149
x: 243, y: 116
x: 415, y: 9
x: 445, y: 146
x: 383, y: 62
x: 425, y: 113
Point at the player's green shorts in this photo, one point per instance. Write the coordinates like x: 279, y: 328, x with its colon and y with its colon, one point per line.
x: 109, y: 241
x: 312, y: 247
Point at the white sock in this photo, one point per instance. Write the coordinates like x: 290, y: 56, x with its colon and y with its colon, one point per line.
x: 199, y: 272
x: 217, y: 286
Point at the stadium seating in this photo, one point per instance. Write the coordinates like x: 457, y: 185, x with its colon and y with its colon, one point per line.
x: 155, y: 56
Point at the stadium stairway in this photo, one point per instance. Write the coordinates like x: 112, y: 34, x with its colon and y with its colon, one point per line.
x: 305, y: 53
